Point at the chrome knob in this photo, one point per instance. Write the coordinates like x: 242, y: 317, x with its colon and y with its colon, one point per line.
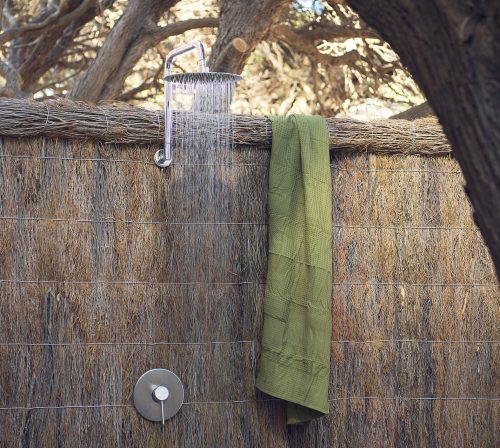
x: 158, y: 395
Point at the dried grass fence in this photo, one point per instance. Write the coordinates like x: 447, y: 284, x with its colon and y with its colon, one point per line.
x: 120, y: 123
x: 109, y: 267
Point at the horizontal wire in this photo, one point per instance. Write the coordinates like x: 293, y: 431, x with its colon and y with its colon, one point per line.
x: 414, y: 284
x: 127, y: 282
x: 418, y: 341
x: 145, y: 162
x: 265, y: 400
x: 68, y: 406
x: 152, y: 283
x: 404, y: 227
x: 190, y: 403
x: 243, y: 341
x: 65, y: 344
x: 221, y: 223
x: 266, y: 165
x: 80, y: 159
x: 131, y: 161
x: 382, y: 170
x: 354, y: 398
x: 113, y: 221
x: 417, y: 398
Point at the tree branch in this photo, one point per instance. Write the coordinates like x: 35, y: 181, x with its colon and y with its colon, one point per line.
x: 1, y: 12
x: 307, y: 46
x: 421, y: 111
x: 11, y: 75
x: 146, y: 85
x: 331, y: 31
x: 52, y: 46
x: 174, y: 29
x: 124, y: 46
x: 249, y: 20
x: 59, y: 19
x: 78, y: 68
x: 8, y: 15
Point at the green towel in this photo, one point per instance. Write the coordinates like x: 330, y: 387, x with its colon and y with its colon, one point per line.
x: 295, y: 355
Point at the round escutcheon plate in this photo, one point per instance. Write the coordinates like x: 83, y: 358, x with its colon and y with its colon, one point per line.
x: 144, y: 400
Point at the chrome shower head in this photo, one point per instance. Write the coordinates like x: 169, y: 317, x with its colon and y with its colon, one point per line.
x: 201, y: 78
x: 163, y: 158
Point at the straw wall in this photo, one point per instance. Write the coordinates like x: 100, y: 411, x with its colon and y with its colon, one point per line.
x: 110, y: 267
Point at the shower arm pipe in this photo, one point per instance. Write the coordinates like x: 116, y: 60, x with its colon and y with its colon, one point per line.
x: 164, y: 158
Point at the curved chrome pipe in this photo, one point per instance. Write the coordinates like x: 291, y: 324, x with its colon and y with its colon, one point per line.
x: 163, y: 158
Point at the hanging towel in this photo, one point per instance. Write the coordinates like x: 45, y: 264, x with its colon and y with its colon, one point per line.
x: 295, y: 354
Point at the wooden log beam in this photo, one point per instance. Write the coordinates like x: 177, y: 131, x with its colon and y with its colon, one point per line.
x: 122, y: 123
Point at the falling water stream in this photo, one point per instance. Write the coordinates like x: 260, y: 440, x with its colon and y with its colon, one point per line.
x: 203, y: 127
x: 203, y: 153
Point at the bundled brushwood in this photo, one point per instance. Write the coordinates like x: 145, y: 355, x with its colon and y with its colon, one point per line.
x: 126, y: 124
x: 110, y: 266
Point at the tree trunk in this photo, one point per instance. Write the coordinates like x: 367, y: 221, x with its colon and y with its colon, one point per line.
x: 250, y: 20
x: 123, y: 47
x: 452, y: 48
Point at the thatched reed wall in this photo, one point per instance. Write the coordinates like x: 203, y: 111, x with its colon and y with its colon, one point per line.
x: 110, y: 266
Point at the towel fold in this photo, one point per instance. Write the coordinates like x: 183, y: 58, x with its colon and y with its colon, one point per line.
x: 295, y: 355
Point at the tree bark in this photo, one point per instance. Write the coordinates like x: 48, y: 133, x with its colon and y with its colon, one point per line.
x: 250, y: 20
x: 452, y: 49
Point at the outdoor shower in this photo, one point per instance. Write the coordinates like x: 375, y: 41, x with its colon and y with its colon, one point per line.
x: 201, y: 101
x: 204, y: 92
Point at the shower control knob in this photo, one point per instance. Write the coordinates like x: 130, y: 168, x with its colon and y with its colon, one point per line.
x: 158, y: 395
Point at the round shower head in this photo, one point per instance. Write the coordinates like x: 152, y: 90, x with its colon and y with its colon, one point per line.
x: 203, y: 77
